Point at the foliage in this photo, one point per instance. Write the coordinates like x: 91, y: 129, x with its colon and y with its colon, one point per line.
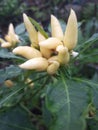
x: 64, y: 101
x: 10, y: 10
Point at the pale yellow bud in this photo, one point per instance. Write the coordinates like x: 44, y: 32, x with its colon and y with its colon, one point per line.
x: 44, y: 51
x: 6, y: 45
x: 39, y: 64
x: 12, y: 37
x: 9, y: 83
x: 31, y: 31
x: 70, y: 38
x: 27, y: 52
x: 56, y: 29
x: 40, y: 37
x: 31, y: 84
x: 63, y: 54
x: 11, y: 29
x: 1, y: 40
x: 8, y: 38
x: 53, y: 58
x: 53, y: 67
x: 50, y: 43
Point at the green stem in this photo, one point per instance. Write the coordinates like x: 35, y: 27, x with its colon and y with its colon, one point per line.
x: 27, y: 110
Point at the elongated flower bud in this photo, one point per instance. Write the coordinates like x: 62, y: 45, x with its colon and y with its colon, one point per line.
x: 70, y: 38
x: 1, y: 40
x: 63, y: 54
x: 11, y: 29
x: 53, y: 58
x: 27, y: 52
x: 50, y: 43
x: 44, y: 51
x: 11, y: 36
x: 39, y: 64
x: 40, y: 37
x: 53, y: 67
x: 4, y: 44
x: 56, y: 29
x: 8, y: 38
x: 31, y: 31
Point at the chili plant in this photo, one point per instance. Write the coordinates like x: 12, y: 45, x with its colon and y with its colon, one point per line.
x: 48, y: 81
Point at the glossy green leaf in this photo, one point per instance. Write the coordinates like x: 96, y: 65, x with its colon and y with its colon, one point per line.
x: 67, y: 102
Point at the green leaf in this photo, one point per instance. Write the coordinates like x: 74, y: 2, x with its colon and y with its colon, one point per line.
x: 90, y: 56
x: 83, y: 47
x: 39, y: 28
x: 6, y: 99
x: 8, y: 55
x: 92, y: 124
x: 46, y: 116
x: 93, y: 86
x: 9, y: 72
x: 67, y: 101
x: 20, y: 29
x: 15, y: 118
x: 95, y: 91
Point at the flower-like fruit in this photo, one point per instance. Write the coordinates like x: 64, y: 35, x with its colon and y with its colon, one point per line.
x: 71, y: 32
x: 56, y: 30
x: 39, y: 64
x: 50, y: 43
x: 31, y: 31
x: 27, y: 52
x: 48, y: 54
x: 10, y: 39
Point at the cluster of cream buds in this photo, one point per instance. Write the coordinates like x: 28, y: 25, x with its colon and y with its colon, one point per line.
x: 10, y: 39
x: 48, y: 54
